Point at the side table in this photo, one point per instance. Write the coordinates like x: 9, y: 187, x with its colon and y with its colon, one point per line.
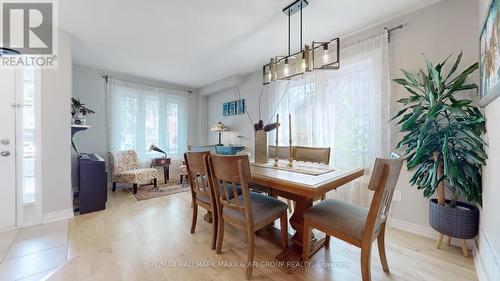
x: 165, y: 163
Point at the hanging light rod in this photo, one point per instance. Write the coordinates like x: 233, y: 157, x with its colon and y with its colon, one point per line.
x: 295, y: 7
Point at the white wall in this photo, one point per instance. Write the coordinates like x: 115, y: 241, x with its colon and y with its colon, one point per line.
x: 56, y: 132
x: 437, y: 31
x: 489, y: 230
x: 89, y: 86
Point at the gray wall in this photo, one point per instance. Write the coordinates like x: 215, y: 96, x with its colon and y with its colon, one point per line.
x: 56, y: 132
x: 89, y: 86
x: 489, y: 230
x: 437, y: 31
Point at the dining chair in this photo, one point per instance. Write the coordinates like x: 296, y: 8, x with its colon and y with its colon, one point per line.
x: 283, y: 152
x: 250, y: 211
x: 312, y: 154
x: 320, y: 155
x: 356, y: 225
x: 201, y: 192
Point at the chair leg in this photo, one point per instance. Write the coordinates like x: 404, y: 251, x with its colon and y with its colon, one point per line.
x: 306, y: 243
x: 284, y: 230
x: 181, y: 180
x: 366, y: 262
x: 114, y: 187
x: 155, y: 183
x: 381, y: 249
x: 214, y: 229
x: 135, y: 188
x: 195, y: 217
x: 327, y: 241
x: 323, y: 197
x: 220, y: 234
x: 250, y: 251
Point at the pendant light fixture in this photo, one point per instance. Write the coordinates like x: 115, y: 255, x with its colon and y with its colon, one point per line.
x: 322, y: 55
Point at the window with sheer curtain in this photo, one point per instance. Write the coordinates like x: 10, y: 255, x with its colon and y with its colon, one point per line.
x: 142, y: 115
x: 345, y: 109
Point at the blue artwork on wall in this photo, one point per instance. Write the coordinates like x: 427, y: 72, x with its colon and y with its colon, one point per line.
x: 233, y: 107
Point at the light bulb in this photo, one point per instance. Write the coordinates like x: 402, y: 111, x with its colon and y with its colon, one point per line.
x: 285, y: 70
x: 325, y: 54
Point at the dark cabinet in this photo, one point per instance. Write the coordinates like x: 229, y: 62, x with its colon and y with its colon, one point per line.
x: 92, y: 189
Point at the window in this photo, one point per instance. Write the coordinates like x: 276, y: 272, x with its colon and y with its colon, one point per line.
x: 28, y: 134
x: 142, y: 115
x: 345, y: 109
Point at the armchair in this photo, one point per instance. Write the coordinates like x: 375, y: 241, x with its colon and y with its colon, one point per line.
x: 125, y: 169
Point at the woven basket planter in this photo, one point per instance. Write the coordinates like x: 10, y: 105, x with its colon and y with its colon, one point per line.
x: 461, y: 222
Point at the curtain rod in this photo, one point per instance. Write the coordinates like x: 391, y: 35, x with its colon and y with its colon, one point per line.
x: 106, y: 78
x: 389, y: 30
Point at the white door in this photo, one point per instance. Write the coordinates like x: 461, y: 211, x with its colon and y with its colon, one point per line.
x: 7, y: 150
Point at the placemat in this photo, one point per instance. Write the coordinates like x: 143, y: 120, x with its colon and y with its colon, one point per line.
x: 298, y: 167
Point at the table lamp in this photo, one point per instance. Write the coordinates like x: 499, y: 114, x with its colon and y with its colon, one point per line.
x: 219, y: 127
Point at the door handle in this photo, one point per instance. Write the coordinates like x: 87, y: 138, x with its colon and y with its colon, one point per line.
x: 5, y: 153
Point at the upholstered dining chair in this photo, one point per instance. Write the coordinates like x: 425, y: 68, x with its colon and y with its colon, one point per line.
x: 125, y: 169
x: 250, y: 211
x: 200, y: 188
x: 312, y: 154
x: 355, y: 225
x: 283, y: 152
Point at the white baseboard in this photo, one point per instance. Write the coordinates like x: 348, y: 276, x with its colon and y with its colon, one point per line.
x: 57, y: 216
x: 485, y: 260
x: 424, y: 231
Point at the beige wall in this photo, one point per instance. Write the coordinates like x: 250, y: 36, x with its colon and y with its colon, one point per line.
x: 89, y: 86
x: 437, y: 31
x: 489, y: 230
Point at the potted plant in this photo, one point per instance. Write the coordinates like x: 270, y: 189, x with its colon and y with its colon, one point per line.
x: 79, y: 111
x: 444, y: 146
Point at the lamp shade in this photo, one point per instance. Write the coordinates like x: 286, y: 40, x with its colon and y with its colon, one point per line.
x: 219, y: 127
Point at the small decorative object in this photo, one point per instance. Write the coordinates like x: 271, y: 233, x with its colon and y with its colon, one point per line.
x: 490, y: 56
x: 153, y: 147
x: 79, y: 111
x: 233, y: 107
x: 444, y: 146
x: 290, y: 160
x: 219, y: 127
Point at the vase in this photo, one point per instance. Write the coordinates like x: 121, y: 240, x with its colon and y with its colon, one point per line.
x: 261, y: 146
x: 459, y: 222
x: 79, y: 119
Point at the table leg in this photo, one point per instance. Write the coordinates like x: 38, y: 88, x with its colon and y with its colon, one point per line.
x: 297, y: 219
x: 165, y: 173
x: 168, y: 172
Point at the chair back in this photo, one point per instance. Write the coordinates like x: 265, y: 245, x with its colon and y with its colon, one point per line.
x: 122, y: 161
x: 383, y: 181
x: 199, y: 179
x: 283, y: 152
x: 198, y: 148
x: 319, y: 155
x: 229, y: 171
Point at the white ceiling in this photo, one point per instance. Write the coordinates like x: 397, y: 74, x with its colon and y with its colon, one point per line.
x: 197, y: 42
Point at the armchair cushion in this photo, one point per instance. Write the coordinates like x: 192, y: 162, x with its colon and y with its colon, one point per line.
x: 136, y: 176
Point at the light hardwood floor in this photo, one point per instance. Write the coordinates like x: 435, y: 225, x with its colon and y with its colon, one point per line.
x: 136, y: 240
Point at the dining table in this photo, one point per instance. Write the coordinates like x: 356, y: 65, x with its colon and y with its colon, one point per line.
x: 303, y: 183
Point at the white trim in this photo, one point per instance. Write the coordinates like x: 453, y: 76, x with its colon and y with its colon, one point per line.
x: 419, y: 230
x: 485, y: 259
x: 57, y: 216
x: 424, y: 231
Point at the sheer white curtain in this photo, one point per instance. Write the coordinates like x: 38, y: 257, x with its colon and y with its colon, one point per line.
x: 139, y: 116
x: 345, y: 109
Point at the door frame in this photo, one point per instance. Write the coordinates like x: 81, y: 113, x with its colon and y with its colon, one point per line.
x: 19, y: 103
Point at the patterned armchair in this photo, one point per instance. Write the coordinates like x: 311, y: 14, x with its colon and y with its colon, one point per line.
x: 125, y: 169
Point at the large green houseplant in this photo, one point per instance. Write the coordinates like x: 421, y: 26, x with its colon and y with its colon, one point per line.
x: 442, y: 134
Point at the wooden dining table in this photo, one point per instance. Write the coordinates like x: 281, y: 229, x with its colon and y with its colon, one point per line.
x: 303, y: 188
